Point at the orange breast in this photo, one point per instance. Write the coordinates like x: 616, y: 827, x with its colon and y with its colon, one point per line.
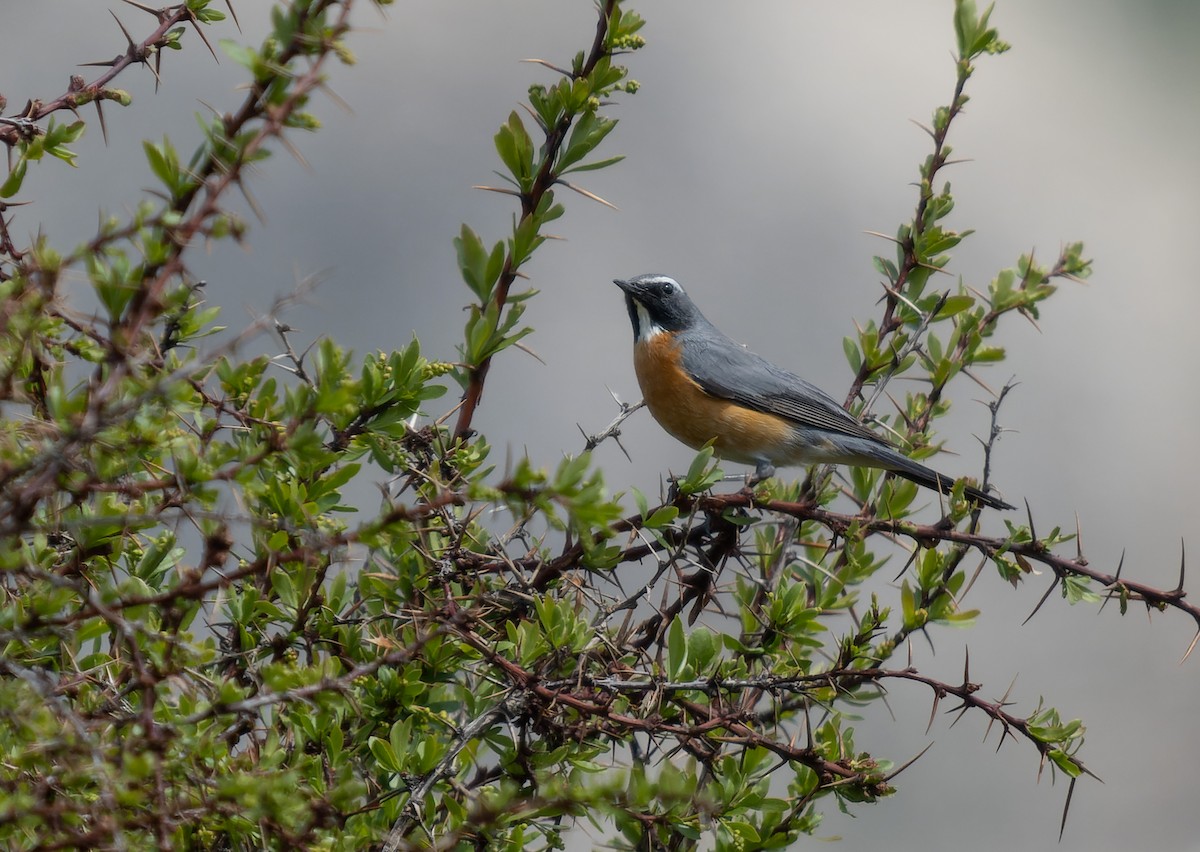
x: 689, y: 414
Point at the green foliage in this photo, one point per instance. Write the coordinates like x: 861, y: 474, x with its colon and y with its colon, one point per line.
x: 207, y: 644
x: 568, y: 118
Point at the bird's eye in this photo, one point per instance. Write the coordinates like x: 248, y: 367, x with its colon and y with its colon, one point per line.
x: 666, y: 288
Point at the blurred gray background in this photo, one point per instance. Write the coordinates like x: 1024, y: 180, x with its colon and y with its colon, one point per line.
x: 764, y: 143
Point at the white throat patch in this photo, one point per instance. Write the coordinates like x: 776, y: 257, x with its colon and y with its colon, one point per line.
x: 647, y: 327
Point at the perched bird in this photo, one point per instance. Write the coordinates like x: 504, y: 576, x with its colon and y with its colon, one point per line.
x: 701, y: 386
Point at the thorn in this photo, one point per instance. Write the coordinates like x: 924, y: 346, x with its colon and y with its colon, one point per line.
x: 1000, y: 705
x: 1029, y: 514
x: 200, y: 32
x: 988, y: 730
x: 924, y: 127
x: 1066, y: 807
x: 535, y: 117
x: 1025, y: 313
x: 251, y: 201
x: 128, y: 37
x: 935, y: 269
x: 974, y: 577
x: 1004, y: 702
x: 929, y: 639
x: 100, y: 115
x: 337, y: 99
x: 1116, y: 582
x: 1182, y: 560
x: 498, y: 189
x: 966, y: 667
x: 933, y: 712
x: 233, y: 14
x: 216, y: 113
x: 160, y: 15
x: 919, y: 755
x: 1191, y: 648
x: 528, y: 351
x: 887, y: 237
x: 155, y: 69
x: 586, y: 194
x: 1053, y: 586
x: 883, y: 698
x: 970, y: 375
x: 911, y: 559
x: 546, y: 64
x: 294, y: 151
x: 1004, y: 736
x: 505, y: 178
x: 978, y: 294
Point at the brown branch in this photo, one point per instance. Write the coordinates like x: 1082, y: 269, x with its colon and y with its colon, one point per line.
x: 75, y: 95
x: 597, y: 706
x: 542, y: 182
x: 890, y: 322
x: 216, y: 177
x: 990, y: 546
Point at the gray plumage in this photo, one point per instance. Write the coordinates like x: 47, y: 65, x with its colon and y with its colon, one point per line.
x: 822, y: 430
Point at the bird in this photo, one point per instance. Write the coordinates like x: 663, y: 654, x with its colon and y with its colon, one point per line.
x: 702, y: 386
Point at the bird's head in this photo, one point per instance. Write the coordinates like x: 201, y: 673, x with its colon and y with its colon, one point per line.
x: 657, y: 303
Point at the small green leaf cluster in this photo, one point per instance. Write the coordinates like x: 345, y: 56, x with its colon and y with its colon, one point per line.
x: 36, y: 144
x: 567, y: 114
x: 932, y: 334
x: 1062, y: 739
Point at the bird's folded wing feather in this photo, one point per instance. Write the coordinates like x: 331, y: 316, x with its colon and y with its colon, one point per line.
x: 728, y: 370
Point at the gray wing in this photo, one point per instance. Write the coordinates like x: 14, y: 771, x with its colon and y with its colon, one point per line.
x: 728, y: 370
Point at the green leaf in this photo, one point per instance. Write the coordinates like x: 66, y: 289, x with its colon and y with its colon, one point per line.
x: 1065, y: 762
x: 677, y: 650
x: 599, y: 164
x: 242, y: 55
x: 955, y: 305
x: 164, y: 162
x: 965, y: 25
x: 12, y: 185
x: 479, y: 268
x: 516, y: 150
x: 853, y: 357
x: 885, y: 268
x: 383, y: 753
x: 589, y: 131
x: 662, y: 516
x: 701, y: 475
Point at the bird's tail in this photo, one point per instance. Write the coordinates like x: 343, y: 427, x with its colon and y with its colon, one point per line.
x: 885, y: 457
x: 930, y: 478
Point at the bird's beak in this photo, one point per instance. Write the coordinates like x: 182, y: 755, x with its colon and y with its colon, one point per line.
x: 624, y: 285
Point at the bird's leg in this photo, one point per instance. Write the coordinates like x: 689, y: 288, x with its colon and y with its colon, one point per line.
x: 763, y: 470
